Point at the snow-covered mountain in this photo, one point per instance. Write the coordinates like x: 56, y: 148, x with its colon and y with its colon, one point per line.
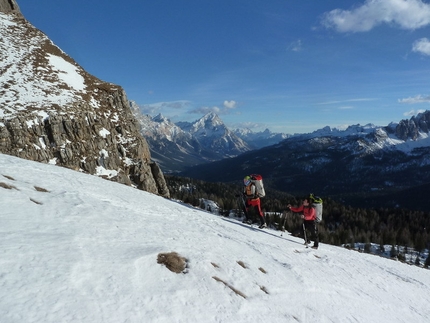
x: 369, y: 161
x: 177, y: 146
x: 406, y: 135
x: 212, y: 134
x: 185, y: 144
x: 260, y: 139
x: 82, y: 249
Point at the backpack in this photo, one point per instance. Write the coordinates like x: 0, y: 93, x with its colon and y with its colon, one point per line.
x: 317, y: 203
x: 259, y: 186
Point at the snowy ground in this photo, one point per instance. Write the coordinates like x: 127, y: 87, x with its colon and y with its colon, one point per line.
x: 77, y: 248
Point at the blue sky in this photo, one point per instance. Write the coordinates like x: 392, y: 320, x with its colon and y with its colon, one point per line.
x: 292, y: 66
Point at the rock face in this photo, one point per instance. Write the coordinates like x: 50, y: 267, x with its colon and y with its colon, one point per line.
x: 52, y: 111
x: 9, y: 6
x: 412, y: 128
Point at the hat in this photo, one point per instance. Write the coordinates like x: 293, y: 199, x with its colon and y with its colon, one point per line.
x: 246, y: 180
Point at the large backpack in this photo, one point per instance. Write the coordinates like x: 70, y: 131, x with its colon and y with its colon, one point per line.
x: 317, y: 203
x: 258, y: 182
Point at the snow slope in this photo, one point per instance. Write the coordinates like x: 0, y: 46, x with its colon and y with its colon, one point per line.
x: 77, y: 248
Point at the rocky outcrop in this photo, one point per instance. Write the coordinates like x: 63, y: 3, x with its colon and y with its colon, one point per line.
x: 411, y: 129
x: 53, y: 111
x: 9, y: 6
x: 89, y: 141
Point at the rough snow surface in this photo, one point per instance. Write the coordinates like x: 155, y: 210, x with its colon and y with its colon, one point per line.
x: 68, y: 73
x: 77, y: 248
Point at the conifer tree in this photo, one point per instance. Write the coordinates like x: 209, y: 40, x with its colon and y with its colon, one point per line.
x: 393, y: 252
x: 427, y: 263
x: 417, y: 260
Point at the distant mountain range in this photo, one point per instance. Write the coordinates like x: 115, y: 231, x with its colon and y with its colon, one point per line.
x: 178, y: 146
x: 362, y: 165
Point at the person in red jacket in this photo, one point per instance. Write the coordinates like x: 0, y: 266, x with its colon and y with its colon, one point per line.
x: 308, y: 216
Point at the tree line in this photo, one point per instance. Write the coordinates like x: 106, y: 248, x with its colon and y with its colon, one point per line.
x: 341, y: 225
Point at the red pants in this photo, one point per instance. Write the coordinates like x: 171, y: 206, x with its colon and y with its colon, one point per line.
x: 255, y: 203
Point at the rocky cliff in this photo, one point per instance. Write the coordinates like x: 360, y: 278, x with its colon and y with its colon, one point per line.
x: 414, y: 127
x: 53, y: 111
x: 8, y: 6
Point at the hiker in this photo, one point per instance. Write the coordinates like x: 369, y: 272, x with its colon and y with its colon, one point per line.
x: 308, y: 216
x: 252, y: 200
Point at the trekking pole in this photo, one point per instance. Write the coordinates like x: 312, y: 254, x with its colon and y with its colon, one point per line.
x: 239, y: 205
x: 304, y: 232
x: 243, y: 208
x: 285, y: 213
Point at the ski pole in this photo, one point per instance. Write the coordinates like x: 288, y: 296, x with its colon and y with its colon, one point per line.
x: 240, y: 196
x: 304, y: 232
x: 285, y: 213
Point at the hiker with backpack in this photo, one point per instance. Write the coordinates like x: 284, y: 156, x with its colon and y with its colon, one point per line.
x: 253, y: 189
x: 308, y: 215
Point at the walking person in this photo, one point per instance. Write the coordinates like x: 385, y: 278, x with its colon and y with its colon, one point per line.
x: 252, y: 202
x: 309, y: 217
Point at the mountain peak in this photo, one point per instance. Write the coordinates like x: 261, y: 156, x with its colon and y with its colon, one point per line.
x: 212, y: 117
x: 209, y: 121
x: 159, y: 118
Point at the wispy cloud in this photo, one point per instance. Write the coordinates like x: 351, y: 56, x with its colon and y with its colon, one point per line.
x: 407, y: 14
x: 162, y: 107
x: 413, y: 113
x: 249, y: 125
x: 421, y: 46
x: 416, y: 99
x: 205, y: 110
x: 345, y: 101
x: 226, y: 108
x: 296, y: 46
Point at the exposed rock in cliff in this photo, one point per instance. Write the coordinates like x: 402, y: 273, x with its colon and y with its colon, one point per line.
x: 9, y: 6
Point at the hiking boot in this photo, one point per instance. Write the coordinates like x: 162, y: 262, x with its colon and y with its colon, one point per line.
x: 314, y: 247
x: 264, y: 225
x: 309, y: 242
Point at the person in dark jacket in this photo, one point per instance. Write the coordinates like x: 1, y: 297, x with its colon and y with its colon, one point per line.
x: 309, y: 217
x: 252, y: 201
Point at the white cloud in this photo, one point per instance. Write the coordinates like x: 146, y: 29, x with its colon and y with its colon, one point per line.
x: 413, y: 113
x: 416, y: 99
x: 227, y: 107
x: 230, y: 104
x: 407, y: 14
x: 205, y: 110
x: 164, y: 107
x: 249, y: 125
x: 421, y: 46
